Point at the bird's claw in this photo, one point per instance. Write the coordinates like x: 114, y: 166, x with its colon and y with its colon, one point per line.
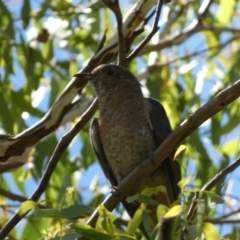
x: 113, y: 189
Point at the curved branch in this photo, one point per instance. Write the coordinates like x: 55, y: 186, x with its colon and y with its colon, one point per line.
x: 194, y: 27
x: 12, y: 196
x: 155, y: 28
x: 222, y: 221
x: 145, y: 73
x: 222, y: 100
x: 59, y: 150
x: 11, y: 155
x: 184, y: 35
x: 212, y: 183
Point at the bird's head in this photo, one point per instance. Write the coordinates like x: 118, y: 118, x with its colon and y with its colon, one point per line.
x: 110, y: 79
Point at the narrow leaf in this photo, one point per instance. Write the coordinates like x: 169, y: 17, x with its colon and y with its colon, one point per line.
x: 174, y: 211
x: 89, y: 232
x: 182, y: 184
x: 135, y: 221
x: 226, y: 11
x: 26, y: 207
x: 73, y: 211
x: 210, y: 231
x: 25, y: 13
x: 214, y: 197
x: 161, y: 210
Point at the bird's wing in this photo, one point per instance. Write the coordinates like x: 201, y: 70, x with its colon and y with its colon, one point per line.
x: 131, y: 208
x: 98, y: 149
x: 161, y: 128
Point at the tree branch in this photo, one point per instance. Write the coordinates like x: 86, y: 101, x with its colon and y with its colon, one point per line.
x: 114, y: 6
x: 184, y: 35
x: 150, y: 35
x: 194, y: 27
x: 222, y: 221
x: 212, y: 183
x: 59, y: 150
x: 12, y: 196
x: 218, y: 103
x: 11, y: 154
x: 154, y: 67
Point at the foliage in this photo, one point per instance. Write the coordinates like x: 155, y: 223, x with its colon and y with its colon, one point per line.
x: 44, y: 43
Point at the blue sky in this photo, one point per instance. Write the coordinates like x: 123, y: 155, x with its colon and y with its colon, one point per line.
x: 196, y: 42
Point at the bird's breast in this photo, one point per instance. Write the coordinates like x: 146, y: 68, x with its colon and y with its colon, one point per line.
x: 126, y: 138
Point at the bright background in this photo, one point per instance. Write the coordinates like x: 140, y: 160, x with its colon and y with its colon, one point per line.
x: 34, y: 71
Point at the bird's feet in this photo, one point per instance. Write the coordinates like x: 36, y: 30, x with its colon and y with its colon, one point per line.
x: 113, y: 189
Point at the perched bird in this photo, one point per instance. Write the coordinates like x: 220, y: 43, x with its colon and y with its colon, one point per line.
x: 129, y: 129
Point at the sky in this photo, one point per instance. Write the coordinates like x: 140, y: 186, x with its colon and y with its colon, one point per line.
x: 41, y: 96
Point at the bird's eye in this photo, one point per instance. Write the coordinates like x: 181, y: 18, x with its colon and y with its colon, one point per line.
x: 109, y: 72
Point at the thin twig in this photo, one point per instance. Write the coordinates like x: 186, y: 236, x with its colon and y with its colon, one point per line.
x: 16, y: 197
x: 204, y: 8
x: 222, y: 221
x: 12, y: 196
x: 154, y: 67
x: 146, y: 20
x: 231, y: 213
x: 102, y: 41
x: 220, y: 176
x: 177, y: 39
x: 114, y: 6
x: 150, y: 35
x: 212, y: 183
x: 59, y: 150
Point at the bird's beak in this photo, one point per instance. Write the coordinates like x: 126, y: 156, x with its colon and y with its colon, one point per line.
x: 87, y: 76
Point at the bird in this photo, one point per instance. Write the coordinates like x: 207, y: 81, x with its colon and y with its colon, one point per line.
x: 129, y: 129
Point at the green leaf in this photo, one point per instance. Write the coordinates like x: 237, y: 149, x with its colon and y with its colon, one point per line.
x: 212, y: 40
x: 25, y: 13
x: 182, y: 184
x: 146, y: 221
x: 201, y: 210
x: 5, y: 116
x: 174, y: 211
x: 74, y: 211
x: 210, y: 231
x: 60, y: 179
x: 142, y: 198
x: 3, y: 220
x: 135, y: 221
x: 214, y: 197
x: 29, y: 229
x: 149, y: 191
x: 43, y: 155
x: 132, y: 198
x: 47, y: 51
x: 26, y: 207
x: 153, y: 85
x: 7, y: 58
x: 54, y: 91
x: 90, y: 232
x: 7, y: 26
x: 67, y: 236
x: 106, y: 220
x: 231, y: 146
x: 19, y: 100
x: 73, y: 68
x: 17, y: 177
x: 181, y: 150
x: 161, y: 210
x: 193, y: 231
x: 42, y: 10
x: 226, y: 11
